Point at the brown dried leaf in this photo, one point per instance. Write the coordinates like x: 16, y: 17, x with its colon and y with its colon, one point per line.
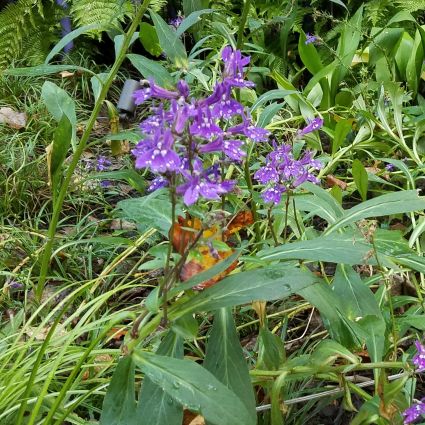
x: 333, y: 181
x: 66, y: 74
x: 12, y: 118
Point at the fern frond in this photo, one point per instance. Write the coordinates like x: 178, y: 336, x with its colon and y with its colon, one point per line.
x: 16, y: 22
x: 107, y: 12
x: 411, y: 5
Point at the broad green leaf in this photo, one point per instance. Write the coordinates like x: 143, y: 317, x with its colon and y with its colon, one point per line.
x: 326, y: 197
x: 40, y: 70
x: 359, y: 300
x: 170, y: 41
x: 97, y: 82
x: 226, y: 361
x: 384, y: 44
x: 190, y: 20
x: 403, y: 54
x: 271, y: 95
x: 155, y: 406
x: 340, y: 248
x: 263, y: 284
x: 308, y: 54
x: 186, y: 326
x: 119, y: 405
x: 342, y: 129
x: 331, y: 308
x: 132, y: 177
x: 151, y: 69
x: 190, y: 6
x: 149, y: 39
x: 360, y: 178
x: 372, y: 330
x: 347, y: 46
x: 268, y: 113
x: 416, y: 321
x: 189, y: 384
x: 271, y: 353
x: 59, y: 149
x: 119, y: 42
x: 384, y: 205
x: 153, y: 210
x: 327, y: 351
x: 58, y: 102
x: 71, y: 36
x: 316, y: 206
x: 414, y: 65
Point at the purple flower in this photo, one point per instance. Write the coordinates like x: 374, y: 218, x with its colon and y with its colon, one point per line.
x: 233, y: 68
x: 273, y: 194
x: 152, y: 90
x: 419, y: 358
x: 157, y: 183
x: 313, y: 125
x: 414, y: 412
x: 231, y: 148
x: 102, y: 163
x: 157, y: 153
x: 390, y: 167
x: 282, y: 172
x: 205, y: 185
x: 310, y: 38
x: 204, y: 125
x: 105, y: 183
x: 176, y: 22
x: 257, y: 134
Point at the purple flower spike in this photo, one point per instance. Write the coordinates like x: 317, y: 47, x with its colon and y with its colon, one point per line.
x: 314, y: 125
x: 310, y: 38
x: 234, y: 63
x: 390, y: 167
x: 414, y: 412
x: 419, y: 358
x: 157, y: 153
x: 282, y: 172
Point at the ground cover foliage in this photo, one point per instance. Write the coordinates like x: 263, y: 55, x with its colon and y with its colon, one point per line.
x: 246, y: 246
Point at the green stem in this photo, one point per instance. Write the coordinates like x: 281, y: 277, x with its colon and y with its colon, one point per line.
x: 57, y: 208
x: 326, y: 369
x: 253, y: 205
x: 270, y: 220
x: 285, y: 229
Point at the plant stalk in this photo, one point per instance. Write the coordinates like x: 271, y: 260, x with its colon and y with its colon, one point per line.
x: 57, y: 208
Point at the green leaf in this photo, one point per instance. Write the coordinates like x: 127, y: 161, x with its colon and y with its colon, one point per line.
x: 153, y: 210
x: 59, y: 149
x: 414, y: 65
x: 132, y: 177
x: 384, y: 205
x: 403, y: 54
x: 155, y: 406
x: 226, y: 361
x: 360, y: 178
x: 191, y: 385
x: 40, y: 70
x: 149, y: 39
x: 416, y: 321
x: 71, y: 36
x: 385, y: 43
x: 190, y: 20
x: 271, y: 95
x: 97, y: 82
x: 186, y: 326
x: 151, y: 69
x: 58, y: 102
x: 170, y: 41
x: 119, y: 42
x: 308, y: 54
x: 271, y: 351
x: 342, y: 129
x: 328, y: 351
x: 359, y: 300
x: 341, y: 248
x: 264, y: 284
x: 119, y: 405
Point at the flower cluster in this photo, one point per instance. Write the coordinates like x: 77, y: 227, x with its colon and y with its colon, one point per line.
x: 419, y: 358
x: 414, y: 412
x: 283, y: 172
x: 310, y: 38
x: 182, y: 131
